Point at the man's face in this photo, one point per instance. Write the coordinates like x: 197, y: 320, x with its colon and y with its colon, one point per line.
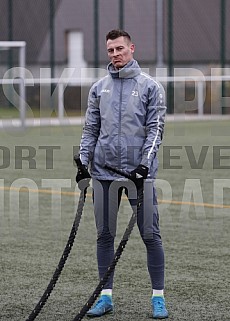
x: 120, y: 51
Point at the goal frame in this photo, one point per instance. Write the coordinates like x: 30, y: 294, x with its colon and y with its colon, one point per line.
x: 21, y: 45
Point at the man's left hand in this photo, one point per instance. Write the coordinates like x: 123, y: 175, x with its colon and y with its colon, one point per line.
x: 139, y: 174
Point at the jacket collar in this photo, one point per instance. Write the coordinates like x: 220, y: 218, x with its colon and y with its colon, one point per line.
x: 130, y: 70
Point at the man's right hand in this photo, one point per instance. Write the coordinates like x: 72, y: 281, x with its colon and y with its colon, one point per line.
x: 82, y: 171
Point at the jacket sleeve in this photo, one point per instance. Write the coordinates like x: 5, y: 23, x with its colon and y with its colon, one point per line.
x: 91, y: 127
x: 155, y: 120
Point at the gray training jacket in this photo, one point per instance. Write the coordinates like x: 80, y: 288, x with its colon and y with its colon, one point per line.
x: 124, y: 122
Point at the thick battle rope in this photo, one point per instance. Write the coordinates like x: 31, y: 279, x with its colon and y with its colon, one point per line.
x: 117, y: 254
x: 63, y: 258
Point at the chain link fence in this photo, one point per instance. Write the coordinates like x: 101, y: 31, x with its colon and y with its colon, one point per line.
x: 168, y: 34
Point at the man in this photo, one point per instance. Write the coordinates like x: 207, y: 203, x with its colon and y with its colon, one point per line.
x: 123, y: 128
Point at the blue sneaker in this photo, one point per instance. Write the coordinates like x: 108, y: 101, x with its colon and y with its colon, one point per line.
x: 159, y: 309
x: 104, y: 305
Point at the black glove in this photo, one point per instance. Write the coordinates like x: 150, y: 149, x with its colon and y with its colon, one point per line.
x: 139, y: 174
x: 82, y: 171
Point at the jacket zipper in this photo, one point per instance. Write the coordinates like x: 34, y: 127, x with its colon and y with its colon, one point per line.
x: 119, y: 131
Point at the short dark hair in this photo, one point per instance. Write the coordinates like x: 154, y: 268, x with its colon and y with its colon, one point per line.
x: 115, y: 33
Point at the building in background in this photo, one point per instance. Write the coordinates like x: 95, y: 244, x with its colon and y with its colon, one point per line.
x: 71, y: 33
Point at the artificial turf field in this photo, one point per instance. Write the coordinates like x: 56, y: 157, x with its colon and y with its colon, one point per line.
x: 35, y: 225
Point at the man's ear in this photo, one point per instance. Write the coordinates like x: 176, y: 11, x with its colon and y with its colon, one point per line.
x: 132, y: 48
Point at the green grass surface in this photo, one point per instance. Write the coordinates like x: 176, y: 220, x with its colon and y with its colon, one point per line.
x: 196, y: 238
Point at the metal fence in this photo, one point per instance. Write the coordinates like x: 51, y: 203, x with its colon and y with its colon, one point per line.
x: 206, y: 97
x: 179, y: 34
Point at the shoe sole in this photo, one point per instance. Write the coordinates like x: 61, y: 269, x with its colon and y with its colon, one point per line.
x: 97, y: 316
